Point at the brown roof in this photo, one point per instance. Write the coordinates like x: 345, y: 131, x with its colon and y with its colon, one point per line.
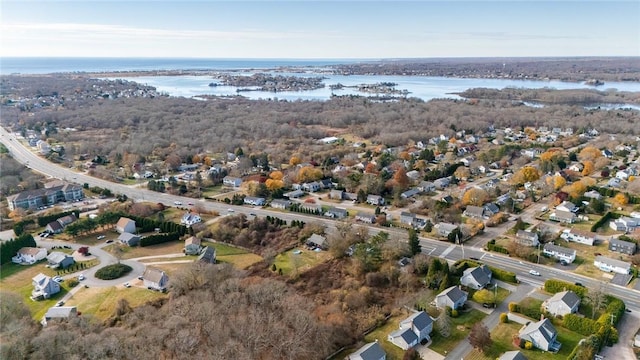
x: 192, y: 241
x: 123, y: 222
x: 153, y: 274
x: 29, y: 251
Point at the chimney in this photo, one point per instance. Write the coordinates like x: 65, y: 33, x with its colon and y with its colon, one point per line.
x: 541, y: 317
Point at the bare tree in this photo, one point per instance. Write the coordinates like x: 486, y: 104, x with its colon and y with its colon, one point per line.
x: 479, y: 337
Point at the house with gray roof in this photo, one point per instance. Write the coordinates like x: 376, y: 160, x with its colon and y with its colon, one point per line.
x: 426, y: 186
x: 208, y: 255
x: 452, y: 297
x: 621, y: 246
x: 559, y: 252
x: 476, y: 212
x: 541, y: 334
x: 366, y: 217
x: 59, y: 313
x: 44, y: 287
x: 562, y: 303
x: 129, y: 239
x: 563, y: 216
x: 318, y: 241
x: 578, y: 236
x: 625, y: 224
x: 476, y: 277
x: 280, y: 204
x: 527, y: 238
x: 59, y: 260
x: 375, y: 200
x: 412, y: 331
x: 336, y: 213
x: 370, y: 351
x: 611, y: 265
x: 512, y: 355
x: 336, y: 194
x: 410, y: 193
x: 445, y: 229
x: 192, y: 245
x: 155, y: 279
x: 491, y: 209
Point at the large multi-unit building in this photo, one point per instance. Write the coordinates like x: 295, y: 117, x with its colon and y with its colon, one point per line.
x: 51, y: 194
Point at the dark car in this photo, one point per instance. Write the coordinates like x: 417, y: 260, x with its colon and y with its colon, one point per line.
x: 579, y: 284
x: 487, y: 305
x: 564, y: 263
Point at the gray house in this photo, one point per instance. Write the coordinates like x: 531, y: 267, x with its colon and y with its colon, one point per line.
x: 129, y: 239
x: 375, y: 200
x: 58, y: 260
x: 452, y: 297
x: 155, y: 279
x: 562, y: 303
x: 192, y: 245
x: 622, y: 246
x: 59, y: 313
x: 413, y: 330
x: 541, y: 334
x: 476, y: 212
x: 208, y: 255
x: 280, y: 204
x: 445, y: 229
x: 366, y: 217
x: 318, y: 241
x: 370, y: 351
x: 476, y: 278
x: 44, y: 287
x: 336, y: 213
x: 527, y: 238
x: 512, y: 355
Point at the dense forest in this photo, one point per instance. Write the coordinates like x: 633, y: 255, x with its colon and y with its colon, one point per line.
x: 155, y: 127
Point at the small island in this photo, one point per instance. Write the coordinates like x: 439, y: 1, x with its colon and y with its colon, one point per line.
x: 267, y: 82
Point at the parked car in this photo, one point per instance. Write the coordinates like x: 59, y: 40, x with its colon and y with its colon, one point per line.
x: 81, y: 277
x: 564, y: 263
x: 109, y: 241
x: 177, y: 203
x: 487, y: 305
x: 140, y: 277
x: 190, y: 204
x: 579, y: 284
x: 533, y: 272
x: 230, y: 210
x: 60, y: 303
x: 100, y: 237
x: 57, y: 279
x: 127, y: 285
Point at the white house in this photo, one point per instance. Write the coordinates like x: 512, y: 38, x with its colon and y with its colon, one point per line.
x: 452, y: 297
x: 255, y: 201
x: 562, y: 303
x: 578, y: 236
x: 370, y: 351
x: 476, y: 277
x: 445, y: 229
x: 58, y: 313
x: 44, y: 287
x: 231, y: 181
x: 611, y: 265
x: 155, y: 279
x: 563, y: 216
x: 412, y: 331
x: 527, y: 238
x: 567, y: 206
x: 375, y: 200
x: 625, y: 224
x: 559, y: 252
x: 189, y: 219
x: 126, y: 225
x: 29, y: 255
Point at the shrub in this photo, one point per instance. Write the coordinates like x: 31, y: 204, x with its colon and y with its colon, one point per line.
x: 503, y: 275
x: 73, y: 282
x: 504, y: 318
x: 454, y: 313
x: 555, y: 286
x: 528, y: 345
x: 114, y: 271
x: 513, y: 307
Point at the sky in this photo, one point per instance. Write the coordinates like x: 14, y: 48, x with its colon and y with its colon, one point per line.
x: 318, y: 29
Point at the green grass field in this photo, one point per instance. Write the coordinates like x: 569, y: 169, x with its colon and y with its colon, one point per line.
x: 298, y: 260
x: 380, y: 333
x: 460, y: 328
x: 237, y: 257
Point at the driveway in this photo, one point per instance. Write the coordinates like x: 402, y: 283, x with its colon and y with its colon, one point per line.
x: 627, y: 329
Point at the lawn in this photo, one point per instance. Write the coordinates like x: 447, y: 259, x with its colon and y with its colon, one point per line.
x: 238, y: 257
x: 102, y: 302
x: 299, y: 259
x: 172, y: 247
x: 502, y: 341
x: 460, y: 328
x: 381, y: 332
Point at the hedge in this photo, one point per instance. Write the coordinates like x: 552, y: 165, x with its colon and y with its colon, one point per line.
x: 581, y: 325
x: 114, y: 271
x: 503, y: 275
x: 18, y: 228
x: 159, y: 239
x: 491, y: 246
x: 555, y: 286
x: 46, y: 219
x: 608, y: 216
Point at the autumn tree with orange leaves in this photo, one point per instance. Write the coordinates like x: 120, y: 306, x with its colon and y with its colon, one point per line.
x: 525, y: 175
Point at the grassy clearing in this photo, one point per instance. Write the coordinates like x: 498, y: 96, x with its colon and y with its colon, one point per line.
x: 173, y: 247
x: 241, y: 261
x: 172, y: 268
x: 380, y: 333
x: 298, y: 260
x: 102, y: 302
x: 460, y: 328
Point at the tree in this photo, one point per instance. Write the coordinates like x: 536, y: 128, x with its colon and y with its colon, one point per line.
x: 414, y: 242
x: 443, y: 324
x: 596, y: 298
x: 479, y: 337
x: 475, y: 196
x: 294, y: 161
x: 588, y: 167
x: 556, y: 181
x: 525, y: 174
x: 484, y: 296
x: 621, y: 199
x: 589, y: 153
x: 462, y: 172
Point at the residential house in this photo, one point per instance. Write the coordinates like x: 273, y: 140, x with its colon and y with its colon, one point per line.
x: 426, y: 186
x: 126, y: 225
x: 445, y: 229
x: 562, y: 303
x: 255, y: 201
x: 442, y: 183
x: 412, y: 331
x: 326, y: 183
x: 491, y: 209
x: 577, y: 167
x: 527, y: 238
x: 365, y: 217
x: 621, y: 246
x: 58, y: 260
x: 336, y: 213
x: 336, y: 194
x: 407, y: 218
x: 592, y: 194
x: 129, y: 239
x: 578, y: 236
x: 208, y: 255
x: 190, y: 218
x: 280, y: 204
x: 625, y: 224
x: 541, y: 334
x: 51, y: 194
x: 567, y: 206
x: 155, y: 279
x: 66, y: 220
x: 452, y: 297
x: 59, y: 313
x: 313, y: 208
x: 563, y: 216
x: 375, y: 200
x: 54, y: 227
x: 192, y: 245
x: 413, y: 175
x: 43, y: 147
x: 476, y: 277
x: 231, y: 181
x: 44, y: 287
x: 607, y: 153
x: 370, y: 351
x: 476, y: 212
x: 512, y: 355
x: 297, y: 193
x: 318, y: 241
x: 559, y: 252
x: 312, y: 186
x: 29, y: 255
x: 613, y: 182
x: 448, y: 199
x: 611, y: 265
x: 410, y: 193
x: 623, y: 174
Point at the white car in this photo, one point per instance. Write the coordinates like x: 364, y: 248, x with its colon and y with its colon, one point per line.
x: 57, y: 279
x: 81, y: 277
x: 127, y: 285
x: 100, y: 237
x: 533, y: 272
x: 177, y: 203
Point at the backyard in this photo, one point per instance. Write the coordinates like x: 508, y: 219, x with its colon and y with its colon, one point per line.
x: 299, y: 259
x: 460, y: 328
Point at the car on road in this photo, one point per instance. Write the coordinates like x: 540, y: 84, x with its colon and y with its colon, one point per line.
x: 140, y: 277
x: 177, y: 203
x: 60, y: 303
x: 100, y: 237
x: 81, y: 277
x: 230, y: 210
x: 252, y: 214
x: 109, y: 241
x: 579, y: 284
x: 534, y: 273
x: 127, y: 285
x: 57, y: 279
x: 190, y: 204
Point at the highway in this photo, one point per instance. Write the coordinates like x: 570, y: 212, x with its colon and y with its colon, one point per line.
x: 430, y: 247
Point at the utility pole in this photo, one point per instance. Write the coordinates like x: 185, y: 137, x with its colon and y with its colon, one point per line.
x: 538, y: 253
